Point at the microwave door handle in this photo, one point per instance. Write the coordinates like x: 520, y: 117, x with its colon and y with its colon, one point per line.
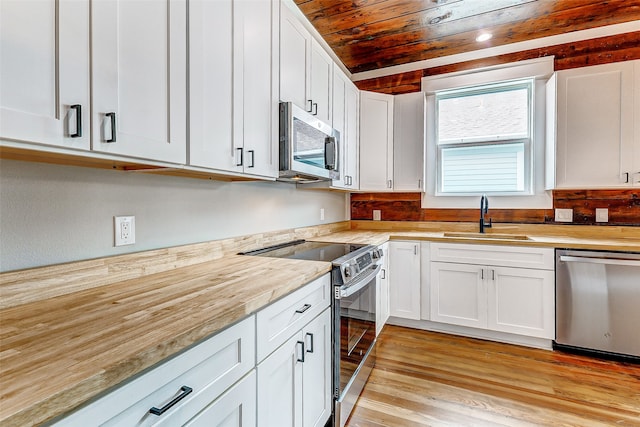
x: 330, y: 153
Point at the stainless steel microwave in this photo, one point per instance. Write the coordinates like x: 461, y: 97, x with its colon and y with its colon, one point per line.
x: 308, y: 147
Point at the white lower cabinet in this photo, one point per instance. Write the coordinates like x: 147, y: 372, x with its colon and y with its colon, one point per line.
x: 235, y: 408
x: 404, y: 279
x: 294, y: 382
x: 217, y: 383
x: 499, y: 296
x: 382, y: 290
x: 200, y: 376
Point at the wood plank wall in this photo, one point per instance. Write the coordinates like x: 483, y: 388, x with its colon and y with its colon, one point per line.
x: 603, y: 50
x: 623, y: 205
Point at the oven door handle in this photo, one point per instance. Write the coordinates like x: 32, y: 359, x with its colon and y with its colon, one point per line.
x: 350, y: 290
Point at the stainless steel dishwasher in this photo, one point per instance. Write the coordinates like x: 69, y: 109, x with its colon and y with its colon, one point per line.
x: 598, y: 302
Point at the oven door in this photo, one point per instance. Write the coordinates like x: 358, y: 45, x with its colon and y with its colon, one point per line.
x: 354, y: 338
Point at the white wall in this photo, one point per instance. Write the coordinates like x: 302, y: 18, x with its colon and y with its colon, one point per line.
x: 51, y: 214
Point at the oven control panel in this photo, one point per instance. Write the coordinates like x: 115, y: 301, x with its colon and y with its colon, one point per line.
x: 351, y: 268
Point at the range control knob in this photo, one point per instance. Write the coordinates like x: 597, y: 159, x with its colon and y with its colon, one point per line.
x: 347, y: 271
x: 377, y: 253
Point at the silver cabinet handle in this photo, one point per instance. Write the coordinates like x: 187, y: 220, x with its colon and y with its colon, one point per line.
x: 419, y: 183
x: 383, y: 274
x: 310, y: 101
x: 415, y: 249
x: 606, y: 261
x: 389, y: 184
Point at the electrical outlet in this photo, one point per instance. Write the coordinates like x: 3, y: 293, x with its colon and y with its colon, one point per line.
x: 564, y: 215
x: 377, y: 215
x: 321, y: 214
x: 602, y: 215
x: 124, y: 230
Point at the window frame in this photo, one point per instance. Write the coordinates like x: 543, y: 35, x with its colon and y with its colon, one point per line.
x: 527, y: 140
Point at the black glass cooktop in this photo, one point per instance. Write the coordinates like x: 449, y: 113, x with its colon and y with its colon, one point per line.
x: 311, y: 251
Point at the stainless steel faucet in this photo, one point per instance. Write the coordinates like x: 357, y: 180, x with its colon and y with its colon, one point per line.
x: 484, y: 209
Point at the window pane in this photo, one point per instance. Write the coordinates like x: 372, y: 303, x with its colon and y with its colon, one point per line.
x: 488, y: 168
x: 484, y: 116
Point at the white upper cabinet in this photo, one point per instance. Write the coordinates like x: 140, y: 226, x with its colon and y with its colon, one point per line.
x: 345, y: 99
x: 211, y: 85
x: 295, y: 54
x: 44, y: 72
x: 321, y: 74
x: 376, y: 141
x: 233, y: 92
x: 598, y: 136
x: 306, y: 70
x: 139, y: 78
x: 408, y: 142
x: 256, y: 85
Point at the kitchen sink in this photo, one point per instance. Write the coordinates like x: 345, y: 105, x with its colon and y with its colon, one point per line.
x: 499, y: 236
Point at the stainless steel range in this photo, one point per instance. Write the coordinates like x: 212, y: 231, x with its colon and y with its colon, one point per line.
x: 355, y: 268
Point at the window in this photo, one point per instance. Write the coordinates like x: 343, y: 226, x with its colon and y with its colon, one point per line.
x: 484, y: 139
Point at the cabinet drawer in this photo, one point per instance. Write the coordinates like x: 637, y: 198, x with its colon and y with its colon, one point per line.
x: 280, y: 320
x: 498, y: 255
x: 208, y: 369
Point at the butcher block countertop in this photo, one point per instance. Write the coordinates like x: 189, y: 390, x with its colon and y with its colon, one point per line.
x: 59, y: 352
x: 72, y: 331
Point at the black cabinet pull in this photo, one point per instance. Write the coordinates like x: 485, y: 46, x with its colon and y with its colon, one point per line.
x: 253, y: 158
x: 303, y: 308
x: 112, y: 116
x: 184, y: 391
x: 310, y: 101
x: 78, y: 109
x: 241, y: 157
x: 315, y: 106
x: 310, y: 349
x: 626, y: 174
x: 299, y: 358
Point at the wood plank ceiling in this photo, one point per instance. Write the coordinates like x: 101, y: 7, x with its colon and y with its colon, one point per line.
x: 372, y: 34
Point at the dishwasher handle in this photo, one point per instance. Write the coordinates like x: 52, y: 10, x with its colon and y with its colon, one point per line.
x: 608, y: 261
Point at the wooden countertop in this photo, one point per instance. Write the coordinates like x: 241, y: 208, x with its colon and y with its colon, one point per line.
x: 570, y: 237
x: 70, y: 332
x: 59, y: 352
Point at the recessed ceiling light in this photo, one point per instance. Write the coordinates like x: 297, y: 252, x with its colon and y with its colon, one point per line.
x: 484, y: 37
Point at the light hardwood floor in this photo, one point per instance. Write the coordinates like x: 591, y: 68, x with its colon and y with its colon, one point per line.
x: 430, y: 379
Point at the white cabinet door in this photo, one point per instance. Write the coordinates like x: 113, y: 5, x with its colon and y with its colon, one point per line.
x: 351, y: 142
x: 139, y: 78
x: 339, y: 123
x: 458, y: 294
x: 210, y: 87
x: 321, y: 75
x: 382, y: 308
x: 521, y: 301
x: 425, y: 280
x: 235, y: 408
x: 376, y: 141
x: 44, y: 72
x: 595, y: 127
x: 280, y: 386
x: 316, y: 371
x: 255, y: 85
x: 295, y: 51
x: 345, y: 120
x: 408, y: 142
x: 404, y: 280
